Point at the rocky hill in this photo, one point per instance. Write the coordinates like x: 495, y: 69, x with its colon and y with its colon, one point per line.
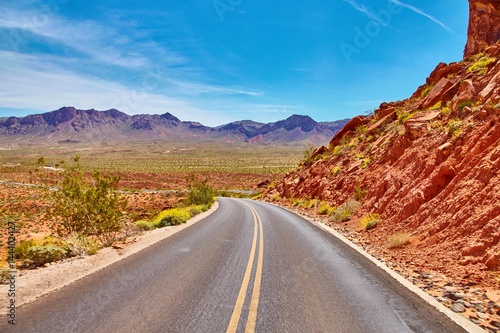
x: 425, y: 169
x: 69, y: 124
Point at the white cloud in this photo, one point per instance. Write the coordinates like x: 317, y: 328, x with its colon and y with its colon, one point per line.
x: 364, y: 10
x: 102, y: 43
x: 36, y: 83
x: 421, y: 12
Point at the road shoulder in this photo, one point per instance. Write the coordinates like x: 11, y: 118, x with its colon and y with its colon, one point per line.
x: 33, y: 284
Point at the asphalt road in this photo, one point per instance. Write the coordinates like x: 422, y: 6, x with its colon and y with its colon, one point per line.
x: 247, y: 267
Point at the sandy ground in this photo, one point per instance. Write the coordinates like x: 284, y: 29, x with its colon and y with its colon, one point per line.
x: 35, y: 283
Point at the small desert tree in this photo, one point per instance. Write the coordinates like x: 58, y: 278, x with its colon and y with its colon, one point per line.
x: 80, y: 207
x: 200, y: 193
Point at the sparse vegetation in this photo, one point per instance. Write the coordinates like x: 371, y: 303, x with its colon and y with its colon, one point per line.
x: 399, y: 240
x: 359, y: 193
x: 89, y: 208
x: 426, y: 90
x: 170, y: 217
x: 462, y: 105
x: 404, y: 116
x: 344, y: 212
x: 325, y: 208
x: 481, y: 65
x: 145, y: 225
x: 199, y: 193
x: 369, y: 221
x: 40, y: 255
x: 336, y: 170
x: 307, y: 159
x: 436, y: 106
x: 445, y: 111
x: 454, y: 127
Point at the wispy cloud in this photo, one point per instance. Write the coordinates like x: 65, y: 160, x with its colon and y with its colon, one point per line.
x: 364, y: 10
x: 421, y: 12
x: 101, y: 43
x: 45, y: 86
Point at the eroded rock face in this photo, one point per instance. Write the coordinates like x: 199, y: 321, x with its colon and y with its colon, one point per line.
x: 484, y: 25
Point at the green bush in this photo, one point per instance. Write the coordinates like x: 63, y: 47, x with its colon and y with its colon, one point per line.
x: 145, y: 225
x: 42, y: 254
x: 199, y: 193
x: 86, y: 207
x: 369, y: 221
x: 22, y: 248
x: 173, y: 216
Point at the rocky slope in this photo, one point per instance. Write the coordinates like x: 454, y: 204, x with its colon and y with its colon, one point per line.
x: 69, y: 124
x: 426, y: 170
x: 429, y: 166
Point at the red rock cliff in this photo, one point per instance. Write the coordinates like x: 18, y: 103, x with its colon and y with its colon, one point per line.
x: 484, y: 25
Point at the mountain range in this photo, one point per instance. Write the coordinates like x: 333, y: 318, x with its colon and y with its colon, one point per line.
x: 69, y: 124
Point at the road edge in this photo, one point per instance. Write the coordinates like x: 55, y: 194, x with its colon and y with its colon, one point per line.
x: 399, y: 281
x: 34, y: 284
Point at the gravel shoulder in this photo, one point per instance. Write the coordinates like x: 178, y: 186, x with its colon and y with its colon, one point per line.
x: 33, y: 284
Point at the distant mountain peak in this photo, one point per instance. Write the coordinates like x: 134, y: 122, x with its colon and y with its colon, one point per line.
x: 70, y: 123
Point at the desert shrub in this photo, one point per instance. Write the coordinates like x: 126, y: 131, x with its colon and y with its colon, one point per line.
x: 404, y: 116
x: 344, y: 212
x: 199, y: 193
x: 4, y: 275
x: 399, y: 240
x: 42, y: 254
x: 454, y: 126
x: 369, y: 221
x: 365, y: 163
x: 306, y: 204
x: 336, y: 170
x: 426, y: 90
x: 195, y: 210
x: 463, y: 104
x: 86, y: 207
x: 170, y: 217
x: 445, y: 111
x: 22, y: 248
x: 325, y: 209
x: 79, y: 245
x: 339, y: 150
x: 436, y: 106
x: 359, y: 193
x: 307, y: 158
x: 145, y: 225
x: 481, y: 65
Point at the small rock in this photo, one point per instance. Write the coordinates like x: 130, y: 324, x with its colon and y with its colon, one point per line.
x: 495, y: 323
x: 458, y: 308
x: 450, y: 289
x: 483, y: 315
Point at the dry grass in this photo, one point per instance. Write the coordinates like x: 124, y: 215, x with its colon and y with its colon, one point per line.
x: 399, y: 240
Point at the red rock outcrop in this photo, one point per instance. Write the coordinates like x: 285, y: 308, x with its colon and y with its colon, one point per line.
x: 429, y: 166
x: 484, y: 25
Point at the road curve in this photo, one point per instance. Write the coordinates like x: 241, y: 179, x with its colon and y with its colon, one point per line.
x: 248, y: 267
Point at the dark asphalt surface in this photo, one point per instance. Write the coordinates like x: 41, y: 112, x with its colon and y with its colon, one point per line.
x: 189, y: 282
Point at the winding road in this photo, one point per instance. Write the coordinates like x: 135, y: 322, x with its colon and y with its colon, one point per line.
x: 248, y: 267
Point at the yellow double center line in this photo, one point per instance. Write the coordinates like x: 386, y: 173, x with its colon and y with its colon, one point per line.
x: 254, y: 303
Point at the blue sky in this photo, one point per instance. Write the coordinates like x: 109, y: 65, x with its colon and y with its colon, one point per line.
x: 217, y: 61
